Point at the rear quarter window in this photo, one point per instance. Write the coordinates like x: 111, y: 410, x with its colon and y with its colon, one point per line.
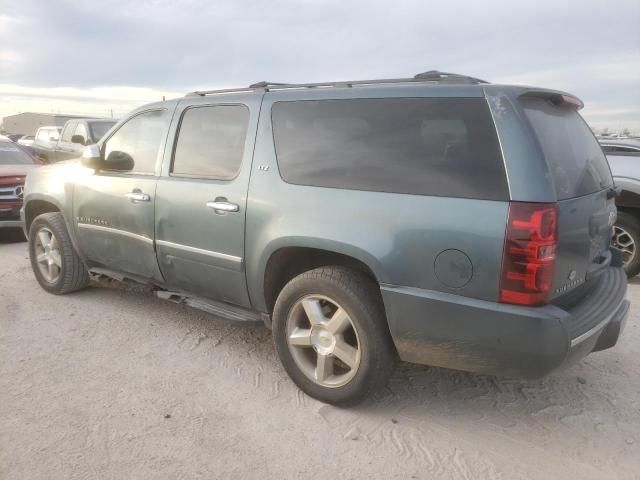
x: 424, y: 146
x: 574, y: 156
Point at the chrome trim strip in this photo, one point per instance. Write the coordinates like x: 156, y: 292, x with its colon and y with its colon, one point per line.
x: 590, y: 332
x: 124, y: 233
x: 497, y: 130
x: 200, y: 251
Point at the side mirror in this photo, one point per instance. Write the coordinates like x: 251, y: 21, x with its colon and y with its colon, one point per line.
x: 92, y: 157
x: 118, y: 160
x: 77, y: 139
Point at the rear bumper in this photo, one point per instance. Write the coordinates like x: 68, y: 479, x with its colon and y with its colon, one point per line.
x: 445, y: 330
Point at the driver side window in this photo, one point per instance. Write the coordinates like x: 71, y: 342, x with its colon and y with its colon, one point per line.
x: 136, y: 144
x: 81, y: 131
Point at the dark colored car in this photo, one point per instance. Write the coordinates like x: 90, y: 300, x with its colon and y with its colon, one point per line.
x: 15, y: 163
x: 624, y: 158
x: 69, y: 142
x: 439, y: 219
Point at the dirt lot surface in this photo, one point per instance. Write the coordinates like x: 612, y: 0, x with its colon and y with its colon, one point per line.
x: 116, y: 384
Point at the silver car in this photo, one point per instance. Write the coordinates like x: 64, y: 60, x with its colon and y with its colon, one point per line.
x: 624, y: 160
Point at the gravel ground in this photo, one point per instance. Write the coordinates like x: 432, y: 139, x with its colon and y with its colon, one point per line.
x: 113, y: 383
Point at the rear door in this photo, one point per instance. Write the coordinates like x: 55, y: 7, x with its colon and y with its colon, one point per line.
x: 202, y: 195
x: 583, y: 184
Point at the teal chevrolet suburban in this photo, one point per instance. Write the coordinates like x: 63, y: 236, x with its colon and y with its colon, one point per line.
x: 439, y: 219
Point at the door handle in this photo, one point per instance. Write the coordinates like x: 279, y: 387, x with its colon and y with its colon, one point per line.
x: 223, y: 206
x: 138, y: 196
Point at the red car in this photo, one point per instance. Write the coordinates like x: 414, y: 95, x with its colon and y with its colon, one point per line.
x: 15, y: 163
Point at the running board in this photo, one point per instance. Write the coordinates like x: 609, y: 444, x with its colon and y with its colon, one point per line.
x: 221, y: 309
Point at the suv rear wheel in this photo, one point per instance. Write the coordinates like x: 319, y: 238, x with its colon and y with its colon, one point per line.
x: 331, y: 335
x: 626, y: 237
x: 54, y: 261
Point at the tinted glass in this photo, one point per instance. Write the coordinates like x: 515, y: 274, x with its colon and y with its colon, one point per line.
x: 425, y: 146
x: 43, y: 135
x: 211, y: 141
x: 13, y: 155
x: 98, y: 129
x: 68, y: 131
x: 54, y: 133
x: 134, y: 147
x: 82, y: 131
x: 576, y: 161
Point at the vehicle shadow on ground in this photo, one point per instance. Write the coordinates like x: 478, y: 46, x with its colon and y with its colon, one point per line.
x: 418, y: 392
x: 11, y: 235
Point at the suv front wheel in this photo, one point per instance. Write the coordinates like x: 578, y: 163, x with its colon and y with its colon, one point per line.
x: 331, y: 335
x: 54, y: 261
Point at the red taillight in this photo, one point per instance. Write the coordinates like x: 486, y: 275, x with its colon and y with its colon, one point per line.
x: 529, y: 257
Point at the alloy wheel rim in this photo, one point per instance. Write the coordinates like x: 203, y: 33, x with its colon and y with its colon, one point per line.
x: 623, y: 241
x: 48, y: 257
x: 323, y: 341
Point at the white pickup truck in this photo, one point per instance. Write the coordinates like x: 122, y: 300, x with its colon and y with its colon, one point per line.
x: 53, y: 145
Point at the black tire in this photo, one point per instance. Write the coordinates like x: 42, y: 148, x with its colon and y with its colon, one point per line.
x: 360, y: 297
x: 630, y: 224
x: 73, y: 273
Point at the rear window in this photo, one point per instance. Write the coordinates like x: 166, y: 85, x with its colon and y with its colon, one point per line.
x: 574, y: 157
x: 423, y: 146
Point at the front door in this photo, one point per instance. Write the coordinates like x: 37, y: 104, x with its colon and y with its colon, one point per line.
x: 65, y: 148
x: 114, y: 208
x: 201, y: 199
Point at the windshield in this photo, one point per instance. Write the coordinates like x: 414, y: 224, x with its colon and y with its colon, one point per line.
x: 13, y: 155
x: 574, y: 157
x: 98, y: 129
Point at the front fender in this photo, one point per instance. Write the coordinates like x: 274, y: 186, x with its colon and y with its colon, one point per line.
x: 54, y: 185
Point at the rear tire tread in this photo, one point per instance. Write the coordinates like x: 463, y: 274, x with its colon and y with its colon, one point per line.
x: 631, y: 224
x: 365, y: 298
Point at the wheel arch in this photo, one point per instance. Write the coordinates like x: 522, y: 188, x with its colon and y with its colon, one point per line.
x: 37, y: 206
x: 287, y: 259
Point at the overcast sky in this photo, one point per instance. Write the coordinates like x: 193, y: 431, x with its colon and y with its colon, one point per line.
x: 102, y: 55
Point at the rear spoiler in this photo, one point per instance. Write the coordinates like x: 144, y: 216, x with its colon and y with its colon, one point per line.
x: 557, y: 98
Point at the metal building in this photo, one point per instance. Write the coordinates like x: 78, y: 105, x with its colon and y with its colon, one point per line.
x: 27, y: 123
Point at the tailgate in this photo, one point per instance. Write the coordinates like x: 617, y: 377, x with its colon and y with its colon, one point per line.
x: 584, y: 236
x: 583, y: 184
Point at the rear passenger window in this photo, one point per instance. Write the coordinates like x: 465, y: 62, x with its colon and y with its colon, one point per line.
x: 425, y: 146
x: 211, y: 141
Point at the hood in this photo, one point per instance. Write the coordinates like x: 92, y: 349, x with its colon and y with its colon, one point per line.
x: 16, y: 170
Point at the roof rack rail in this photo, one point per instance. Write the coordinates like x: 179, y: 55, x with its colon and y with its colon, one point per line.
x: 431, y: 76
x: 267, y: 84
x: 448, y: 77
